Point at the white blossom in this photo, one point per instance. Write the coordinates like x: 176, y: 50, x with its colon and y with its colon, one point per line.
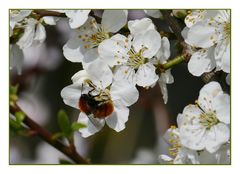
x: 206, y: 124
x: 91, y: 34
x: 178, y: 154
x: 209, y: 31
x: 132, y: 56
x: 120, y: 93
x: 34, y: 33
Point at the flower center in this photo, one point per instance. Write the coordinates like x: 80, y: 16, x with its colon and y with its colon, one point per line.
x: 175, y: 143
x: 94, y: 39
x: 227, y: 30
x: 135, y: 58
x: 208, y: 119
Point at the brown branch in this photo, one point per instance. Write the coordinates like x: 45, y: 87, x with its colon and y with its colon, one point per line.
x: 69, y: 151
x: 173, y: 24
x: 43, y: 13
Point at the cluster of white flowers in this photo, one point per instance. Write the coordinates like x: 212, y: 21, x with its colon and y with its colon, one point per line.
x: 203, y: 134
x: 120, y: 55
x: 113, y: 65
x: 208, y: 31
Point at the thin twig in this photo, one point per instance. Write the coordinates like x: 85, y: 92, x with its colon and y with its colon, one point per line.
x: 47, y: 136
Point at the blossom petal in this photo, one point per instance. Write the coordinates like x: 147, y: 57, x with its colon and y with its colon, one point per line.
x: 125, y: 92
x: 93, y: 125
x: 77, y: 17
x: 146, y: 75
x: 221, y: 104
x: 114, y: 51
x: 114, y: 20
x: 27, y: 38
x: 140, y: 25
x: 154, y: 13
x: 217, y: 136
x: 125, y: 73
x: 164, y: 52
x: 201, y: 61
x: 207, y: 95
x: 16, y: 58
x: 50, y: 20
x: 40, y: 34
x: 164, y: 91
x: 192, y: 133
x: 202, y: 35
x: 151, y: 40
x: 100, y: 73
x: 71, y: 95
x: 119, y: 117
x: 72, y: 50
x: 222, y: 54
x: 80, y: 77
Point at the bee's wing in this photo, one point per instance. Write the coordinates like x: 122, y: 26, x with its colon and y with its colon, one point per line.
x: 96, y: 122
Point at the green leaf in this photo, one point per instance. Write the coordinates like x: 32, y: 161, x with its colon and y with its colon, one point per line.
x: 19, y: 117
x: 57, y: 135
x: 76, y: 126
x: 64, y: 123
x: 13, y: 89
x: 63, y: 161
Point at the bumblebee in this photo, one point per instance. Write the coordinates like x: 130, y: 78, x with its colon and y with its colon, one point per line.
x: 97, y: 105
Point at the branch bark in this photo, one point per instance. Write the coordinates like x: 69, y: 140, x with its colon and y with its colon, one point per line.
x: 69, y: 151
x: 173, y: 24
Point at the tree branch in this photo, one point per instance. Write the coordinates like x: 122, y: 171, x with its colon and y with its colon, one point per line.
x: 173, y: 24
x: 43, y: 13
x: 69, y: 151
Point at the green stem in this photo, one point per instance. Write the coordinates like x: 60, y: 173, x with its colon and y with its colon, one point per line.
x: 177, y: 60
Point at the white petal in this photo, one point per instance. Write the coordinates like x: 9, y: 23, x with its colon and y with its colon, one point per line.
x: 164, y: 52
x: 165, y: 158
x: 228, y: 79
x: 27, y: 39
x: 192, y: 133
x: 40, y: 34
x: 207, y: 94
x: 77, y: 17
x: 89, y: 57
x: 72, y: 50
x: 50, y: 20
x: 17, y: 17
x: 114, y: 20
x: 194, y: 17
x: 140, y: 25
x: 221, y: 104
x: 167, y: 77
x: 201, y: 35
x: 93, y: 125
x: 125, y: 92
x: 146, y: 75
x: 217, y: 136
x: 154, y: 13
x: 125, y: 73
x: 164, y: 91
x: 151, y: 40
x: 201, y: 61
x: 16, y: 58
x: 80, y: 77
x: 222, y: 54
x: 71, y: 95
x: 100, y: 73
x: 119, y: 117
x: 114, y: 51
